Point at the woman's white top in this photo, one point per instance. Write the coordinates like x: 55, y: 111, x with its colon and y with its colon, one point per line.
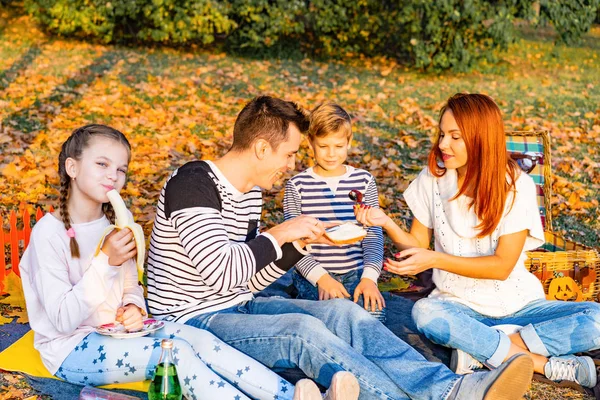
x: 453, y: 228
x: 68, y: 297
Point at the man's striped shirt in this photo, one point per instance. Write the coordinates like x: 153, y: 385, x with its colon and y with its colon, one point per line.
x: 206, y: 253
x: 310, y: 194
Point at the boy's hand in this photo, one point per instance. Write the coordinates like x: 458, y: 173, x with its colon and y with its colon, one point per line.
x: 373, y: 298
x: 130, y: 316
x: 329, y: 288
x: 119, y: 246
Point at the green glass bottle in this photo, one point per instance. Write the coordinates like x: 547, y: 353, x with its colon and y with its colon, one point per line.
x: 165, y: 384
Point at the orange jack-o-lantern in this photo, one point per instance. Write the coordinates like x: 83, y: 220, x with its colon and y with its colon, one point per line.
x: 565, y: 289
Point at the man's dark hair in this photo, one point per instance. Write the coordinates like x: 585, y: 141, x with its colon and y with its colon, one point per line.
x: 267, y: 118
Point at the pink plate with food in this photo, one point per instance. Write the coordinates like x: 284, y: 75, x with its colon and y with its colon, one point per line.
x: 118, y: 331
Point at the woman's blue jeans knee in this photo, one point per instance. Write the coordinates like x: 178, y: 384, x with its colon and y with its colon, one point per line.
x: 550, y: 328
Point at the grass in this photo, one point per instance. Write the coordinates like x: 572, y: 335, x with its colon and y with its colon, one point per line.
x: 178, y: 104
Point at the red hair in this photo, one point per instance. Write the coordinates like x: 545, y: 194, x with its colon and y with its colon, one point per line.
x: 488, y: 164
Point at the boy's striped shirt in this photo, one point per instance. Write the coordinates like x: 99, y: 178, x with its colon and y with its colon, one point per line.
x: 309, y: 194
x: 206, y: 252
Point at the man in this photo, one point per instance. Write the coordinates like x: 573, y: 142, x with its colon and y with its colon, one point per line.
x: 206, y: 250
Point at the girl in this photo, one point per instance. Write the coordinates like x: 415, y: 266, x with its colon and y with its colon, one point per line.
x: 482, y: 211
x: 69, y: 292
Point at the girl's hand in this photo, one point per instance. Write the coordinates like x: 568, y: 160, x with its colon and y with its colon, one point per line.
x: 369, y: 216
x: 119, y: 246
x: 130, y: 316
x: 329, y: 288
x: 416, y: 260
x: 373, y: 299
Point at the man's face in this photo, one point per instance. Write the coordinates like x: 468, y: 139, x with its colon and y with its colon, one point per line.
x: 277, y: 162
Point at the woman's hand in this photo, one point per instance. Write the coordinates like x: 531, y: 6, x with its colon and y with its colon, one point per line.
x: 373, y: 300
x: 329, y: 288
x: 415, y: 260
x: 130, y: 316
x: 369, y: 216
x: 119, y: 246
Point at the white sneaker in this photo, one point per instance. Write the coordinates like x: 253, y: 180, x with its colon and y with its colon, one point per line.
x: 344, y: 386
x: 572, y: 368
x: 306, y: 389
x: 463, y: 363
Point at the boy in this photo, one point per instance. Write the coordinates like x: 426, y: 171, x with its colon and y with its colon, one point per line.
x: 322, y: 192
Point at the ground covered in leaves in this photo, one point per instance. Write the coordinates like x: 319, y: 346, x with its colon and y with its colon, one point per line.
x: 178, y: 105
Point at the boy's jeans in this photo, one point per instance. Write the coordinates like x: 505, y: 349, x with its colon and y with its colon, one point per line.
x: 550, y: 328
x: 323, y: 337
x: 350, y: 280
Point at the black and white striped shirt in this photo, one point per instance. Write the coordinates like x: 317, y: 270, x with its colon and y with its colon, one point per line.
x: 327, y: 199
x: 206, y: 252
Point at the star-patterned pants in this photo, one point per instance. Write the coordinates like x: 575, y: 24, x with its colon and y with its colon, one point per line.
x: 207, y: 367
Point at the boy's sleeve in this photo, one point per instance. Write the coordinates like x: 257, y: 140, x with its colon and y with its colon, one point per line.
x: 372, y: 244
x: 308, y: 267
x: 292, y: 201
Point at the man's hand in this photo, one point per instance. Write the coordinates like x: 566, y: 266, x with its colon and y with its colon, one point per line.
x: 373, y: 298
x: 119, y: 246
x: 130, y: 316
x: 302, y: 227
x: 329, y: 288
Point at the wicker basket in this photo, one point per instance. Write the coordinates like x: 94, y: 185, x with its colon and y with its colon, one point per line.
x: 581, y: 265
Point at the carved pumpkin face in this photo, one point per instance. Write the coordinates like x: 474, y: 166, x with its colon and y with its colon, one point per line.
x: 565, y: 289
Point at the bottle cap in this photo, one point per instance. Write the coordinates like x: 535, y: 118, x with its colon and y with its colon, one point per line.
x: 166, y: 344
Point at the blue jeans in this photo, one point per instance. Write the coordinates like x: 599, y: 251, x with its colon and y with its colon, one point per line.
x: 350, y: 280
x: 323, y: 337
x: 550, y: 328
x: 207, y: 368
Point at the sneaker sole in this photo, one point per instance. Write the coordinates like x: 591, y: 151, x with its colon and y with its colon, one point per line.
x: 514, y: 380
x: 345, y: 387
x: 306, y: 389
x: 592, y: 368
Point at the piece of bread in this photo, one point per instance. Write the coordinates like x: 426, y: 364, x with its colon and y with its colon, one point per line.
x: 347, y: 233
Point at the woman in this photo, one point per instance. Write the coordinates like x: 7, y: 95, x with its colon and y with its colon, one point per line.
x: 482, y: 212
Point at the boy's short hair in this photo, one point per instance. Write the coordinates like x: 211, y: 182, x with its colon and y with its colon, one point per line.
x: 268, y: 118
x: 328, y: 118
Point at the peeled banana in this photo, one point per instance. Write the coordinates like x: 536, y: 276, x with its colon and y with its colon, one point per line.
x: 123, y: 219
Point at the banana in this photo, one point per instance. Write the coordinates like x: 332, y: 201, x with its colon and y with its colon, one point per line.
x: 123, y: 219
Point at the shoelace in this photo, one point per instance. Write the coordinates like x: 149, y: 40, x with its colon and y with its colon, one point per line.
x: 563, y: 370
x: 474, y: 364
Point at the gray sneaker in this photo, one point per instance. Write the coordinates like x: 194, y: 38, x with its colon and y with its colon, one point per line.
x: 509, y: 381
x: 463, y: 363
x: 572, y: 368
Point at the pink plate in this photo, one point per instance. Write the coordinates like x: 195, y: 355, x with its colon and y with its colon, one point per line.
x: 118, y: 331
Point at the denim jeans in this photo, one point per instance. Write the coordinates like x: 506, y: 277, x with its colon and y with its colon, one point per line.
x: 323, y: 337
x: 350, y: 280
x: 207, y: 368
x: 550, y: 328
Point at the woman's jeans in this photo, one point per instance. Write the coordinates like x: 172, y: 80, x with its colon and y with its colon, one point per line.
x: 550, y: 328
x: 350, y: 280
x: 323, y: 337
x: 207, y: 368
